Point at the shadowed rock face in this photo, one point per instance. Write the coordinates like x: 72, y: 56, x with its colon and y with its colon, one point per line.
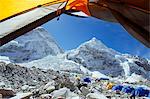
x: 34, y: 45
x: 143, y: 63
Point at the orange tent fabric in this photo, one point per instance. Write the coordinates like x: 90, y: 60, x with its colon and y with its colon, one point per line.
x: 79, y: 5
x: 133, y: 15
x: 11, y: 7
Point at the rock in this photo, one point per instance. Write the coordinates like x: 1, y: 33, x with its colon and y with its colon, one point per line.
x: 96, y: 96
x: 85, y: 90
x: 64, y: 93
x: 7, y: 92
x: 46, y: 96
x: 18, y: 77
x: 25, y: 87
x: 2, y: 84
x: 32, y: 87
x: 36, y: 93
x: 22, y: 96
x: 50, y: 89
x: 51, y: 83
x: 1, y: 96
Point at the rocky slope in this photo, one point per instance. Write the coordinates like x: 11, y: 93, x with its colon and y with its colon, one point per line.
x: 27, y: 79
x: 43, y: 84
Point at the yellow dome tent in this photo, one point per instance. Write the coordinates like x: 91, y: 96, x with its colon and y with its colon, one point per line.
x: 19, y: 17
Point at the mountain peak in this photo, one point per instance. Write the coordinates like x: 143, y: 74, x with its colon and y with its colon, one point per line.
x: 94, y: 43
x: 95, y: 40
x: 35, y: 44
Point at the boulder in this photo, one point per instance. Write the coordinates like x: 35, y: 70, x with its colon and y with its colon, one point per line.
x: 95, y: 96
x: 51, y: 83
x: 25, y: 87
x: 49, y: 87
x: 85, y: 90
x: 22, y: 96
x: 7, y: 92
x: 64, y: 93
x: 46, y: 96
x: 2, y: 84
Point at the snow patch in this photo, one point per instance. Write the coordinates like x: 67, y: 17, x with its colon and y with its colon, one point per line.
x: 134, y: 78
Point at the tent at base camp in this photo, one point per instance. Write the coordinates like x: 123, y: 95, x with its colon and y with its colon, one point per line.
x: 17, y: 18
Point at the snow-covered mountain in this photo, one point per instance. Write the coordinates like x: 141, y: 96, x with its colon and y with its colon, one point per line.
x: 37, y: 48
x: 35, y: 63
x: 33, y: 45
x: 95, y: 55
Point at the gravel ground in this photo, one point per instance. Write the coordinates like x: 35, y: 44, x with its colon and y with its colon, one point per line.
x: 38, y: 82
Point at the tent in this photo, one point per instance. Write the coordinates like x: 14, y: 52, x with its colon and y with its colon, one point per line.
x: 127, y: 89
x: 109, y: 85
x: 133, y: 15
x: 18, y: 18
x: 117, y: 88
x: 87, y: 80
x: 149, y: 95
x: 140, y: 91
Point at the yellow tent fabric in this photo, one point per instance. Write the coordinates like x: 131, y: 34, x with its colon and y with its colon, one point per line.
x: 17, y: 25
x: 12, y: 7
x: 109, y: 85
x: 122, y: 11
x: 19, y: 17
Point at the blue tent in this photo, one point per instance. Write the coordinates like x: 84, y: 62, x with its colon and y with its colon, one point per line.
x: 88, y: 80
x: 117, y: 88
x: 149, y: 95
x: 140, y: 91
x: 127, y: 89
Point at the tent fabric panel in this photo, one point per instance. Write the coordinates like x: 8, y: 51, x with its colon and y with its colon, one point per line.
x: 135, y: 30
x: 12, y: 7
x: 26, y: 26
x: 79, y: 5
x: 20, y: 21
x: 143, y: 4
x: 101, y: 12
x: 135, y: 21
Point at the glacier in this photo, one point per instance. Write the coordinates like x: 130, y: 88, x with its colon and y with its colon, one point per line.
x: 38, y: 48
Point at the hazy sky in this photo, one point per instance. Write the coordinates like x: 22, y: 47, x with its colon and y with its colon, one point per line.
x: 70, y: 32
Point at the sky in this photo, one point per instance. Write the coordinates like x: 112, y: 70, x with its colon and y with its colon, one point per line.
x: 70, y: 32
